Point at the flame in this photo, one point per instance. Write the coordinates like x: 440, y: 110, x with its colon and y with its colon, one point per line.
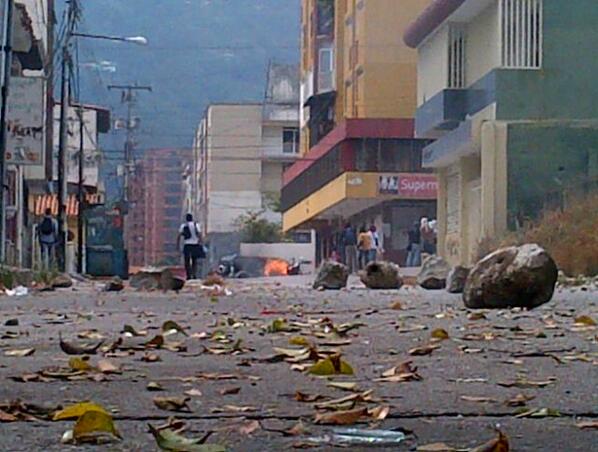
x: 276, y: 267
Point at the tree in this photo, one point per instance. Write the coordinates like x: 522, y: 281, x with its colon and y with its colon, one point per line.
x: 255, y: 228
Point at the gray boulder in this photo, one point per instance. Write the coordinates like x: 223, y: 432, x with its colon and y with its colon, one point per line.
x: 331, y: 276
x: 455, y: 281
x: 523, y: 276
x: 62, y: 281
x: 381, y: 275
x: 433, y: 273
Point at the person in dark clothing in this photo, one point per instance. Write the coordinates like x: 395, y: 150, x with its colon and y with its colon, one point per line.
x: 48, y: 233
x: 349, y: 240
x: 414, y: 246
x: 193, y: 249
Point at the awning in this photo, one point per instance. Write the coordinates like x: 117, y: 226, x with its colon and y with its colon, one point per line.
x: 44, y: 202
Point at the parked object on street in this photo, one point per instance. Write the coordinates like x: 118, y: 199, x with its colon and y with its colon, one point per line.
x: 455, y: 281
x: 523, y: 276
x: 381, y: 275
x: 153, y: 278
x: 433, y: 273
x: 114, y: 285
x: 331, y: 276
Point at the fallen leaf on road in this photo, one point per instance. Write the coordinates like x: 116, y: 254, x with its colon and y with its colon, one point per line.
x: 80, y: 364
x: 523, y: 382
x: 476, y: 316
x: 93, y: 422
x: 130, y: 331
x: 296, y: 430
x: 193, y: 393
x: 90, y: 334
x: 154, y: 386
x: 411, y: 329
x: 333, y: 365
x: 7, y: 417
x: 300, y: 341
x: 436, y: 447
x: 345, y: 403
x: 539, y: 413
x: 307, y: 398
x: 156, y: 342
x: 20, y: 353
x: 341, y: 417
x: 585, y: 320
x: 172, y: 403
x: 379, y: 413
x: 519, y: 400
x: 107, y: 367
x: 249, y: 427
x: 403, y: 372
x: 171, y: 327
x: 216, y: 376
x: 74, y: 349
x: 587, y: 425
x: 343, y: 385
x: 234, y: 409
x: 281, y: 326
x: 230, y: 391
x: 499, y: 444
x: 77, y: 410
x: 439, y: 334
x: 423, y: 350
x: 478, y: 399
x: 397, y: 306
x: 170, y: 441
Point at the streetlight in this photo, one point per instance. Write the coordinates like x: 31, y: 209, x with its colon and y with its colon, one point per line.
x: 139, y: 40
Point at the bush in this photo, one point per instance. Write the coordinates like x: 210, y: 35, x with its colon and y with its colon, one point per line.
x: 569, y: 235
x: 256, y: 229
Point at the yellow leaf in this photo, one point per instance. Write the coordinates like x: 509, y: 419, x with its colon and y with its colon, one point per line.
x: 77, y: 410
x: 171, y: 325
x: 585, y: 320
x: 94, y: 422
x: 299, y: 340
x: 341, y: 417
x: 79, y: 364
x: 331, y: 366
x: 439, y: 334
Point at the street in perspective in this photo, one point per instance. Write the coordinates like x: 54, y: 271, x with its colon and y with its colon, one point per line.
x: 247, y: 225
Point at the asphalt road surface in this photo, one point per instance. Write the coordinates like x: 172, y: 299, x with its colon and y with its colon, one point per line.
x: 246, y: 393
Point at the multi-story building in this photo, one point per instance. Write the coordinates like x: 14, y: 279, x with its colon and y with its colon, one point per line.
x: 240, y: 152
x: 156, y: 198
x: 507, y: 87
x: 360, y: 161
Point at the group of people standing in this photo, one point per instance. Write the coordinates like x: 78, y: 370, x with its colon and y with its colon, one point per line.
x: 359, y: 248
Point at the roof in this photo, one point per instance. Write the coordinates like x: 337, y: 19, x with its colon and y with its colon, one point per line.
x: 429, y: 20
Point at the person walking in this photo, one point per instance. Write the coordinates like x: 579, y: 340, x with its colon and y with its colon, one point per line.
x: 375, y: 248
x: 427, y: 236
x: 364, y: 245
x: 414, y: 251
x: 349, y: 239
x: 47, y: 233
x: 193, y: 249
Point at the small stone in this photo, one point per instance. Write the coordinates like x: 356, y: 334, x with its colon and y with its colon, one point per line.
x: 12, y: 322
x: 331, y: 276
x: 512, y: 277
x: 114, y: 285
x: 381, y: 276
x: 62, y: 282
x: 433, y: 273
x: 455, y: 281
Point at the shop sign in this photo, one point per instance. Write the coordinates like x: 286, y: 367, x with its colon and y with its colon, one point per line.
x: 409, y: 185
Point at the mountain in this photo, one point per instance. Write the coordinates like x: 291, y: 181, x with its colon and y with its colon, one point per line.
x: 199, y: 51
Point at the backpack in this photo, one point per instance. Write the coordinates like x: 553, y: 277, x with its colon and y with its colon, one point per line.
x: 47, y: 226
x: 186, y: 232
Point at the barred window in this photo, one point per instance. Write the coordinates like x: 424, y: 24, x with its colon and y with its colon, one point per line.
x: 521, y: 32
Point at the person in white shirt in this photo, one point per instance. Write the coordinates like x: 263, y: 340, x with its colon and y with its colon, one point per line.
x: 193, y: 249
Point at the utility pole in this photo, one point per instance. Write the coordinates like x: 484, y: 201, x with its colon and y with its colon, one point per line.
x: 80, y: 192
x: 5, y: 79
x: 128, y: 96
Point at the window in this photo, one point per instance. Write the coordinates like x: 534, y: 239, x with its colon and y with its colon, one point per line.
x: 521, y: 33
x: 456, y: 56
x: 326, y: 62
x: 325, y: 17
x: 290, y: 140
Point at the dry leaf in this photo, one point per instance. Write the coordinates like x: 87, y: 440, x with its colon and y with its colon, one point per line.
x: 585, y: 320
x: 476, y: 316
x: 397, y: 306
x: 436, y: 447
x: 439, y: 334
x: 307, y: 398
x: 403, y: 372
x: 156, y: 342
x: 424, y: 350
x: 7, y: 417
x: 333, y: 365
x: 193, y: 393
x: 107, y: 367
x: 500, y: 444
x: 478, y: 399
x: 73, y: 349
x: 341, y: 417
x: 77, y: 410
x: 80, y: 364
x: 525, y: 383
x: 171, y: 327
x: 343, y: 385
x: 172, y: 403
x: 379, y: 413
x: 21, y: 353
x: 230, y: 391
x: 151, y: 357
x: 92, y: 422
x: 171, y: 441
x: 519, y: 400
x: 154, y: 386
x: 587, y: 425
x: 249, y: 427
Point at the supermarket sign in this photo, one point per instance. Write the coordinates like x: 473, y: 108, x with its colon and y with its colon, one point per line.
x: 409, y: 185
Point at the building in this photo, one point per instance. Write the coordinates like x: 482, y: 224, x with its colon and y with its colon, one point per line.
x: 29, y: 122
x: 507, y: 88
x: 156, y: 197
x: 360, y: 160
x: 239, y: 154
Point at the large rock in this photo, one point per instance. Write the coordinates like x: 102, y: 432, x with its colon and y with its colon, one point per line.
x: 331, y: 276
x: 433, y: 273
x: 62, y: 281
x: 523, y: 276
x: 157, y: 279
x: 381, y: 275
x: 114, y: 285
x: 455, y: 281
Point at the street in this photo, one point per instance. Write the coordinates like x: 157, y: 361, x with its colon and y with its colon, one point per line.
x: 545, y: 361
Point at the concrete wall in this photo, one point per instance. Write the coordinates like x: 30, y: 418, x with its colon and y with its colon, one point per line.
x: 432, y: 68
x: 482, y: 52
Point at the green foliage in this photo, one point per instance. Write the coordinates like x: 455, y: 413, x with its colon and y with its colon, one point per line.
x: 45, y: 276
x: 256, y: 229
x: 7, y: 278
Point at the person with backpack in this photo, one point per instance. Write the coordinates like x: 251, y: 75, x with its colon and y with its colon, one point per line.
x: 193, y: 249
x: 349, y: 241
x: 47, y: 233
